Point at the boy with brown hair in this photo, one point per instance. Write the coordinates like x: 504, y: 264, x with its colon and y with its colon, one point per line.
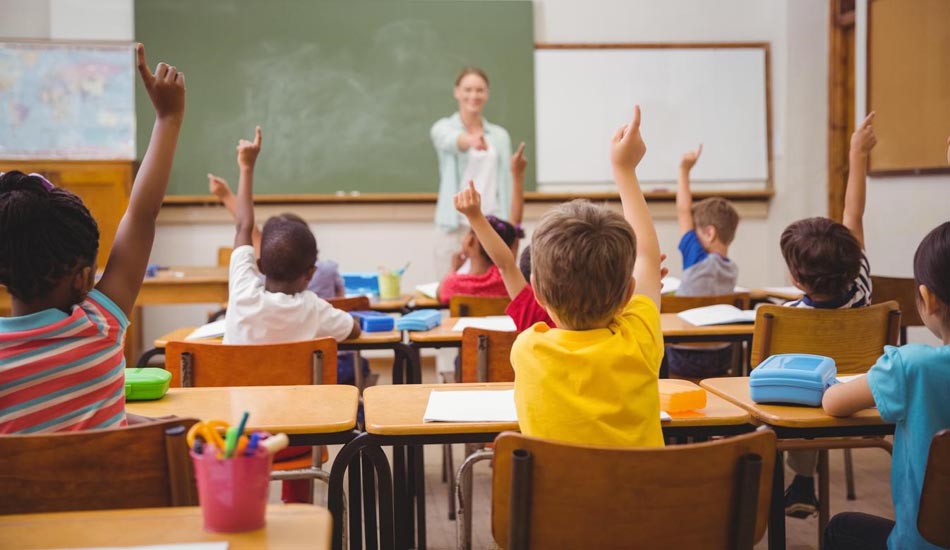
x: 608, y: 339
x: 827, y: 261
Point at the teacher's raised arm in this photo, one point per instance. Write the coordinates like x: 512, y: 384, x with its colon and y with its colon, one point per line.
x: 469, y: 148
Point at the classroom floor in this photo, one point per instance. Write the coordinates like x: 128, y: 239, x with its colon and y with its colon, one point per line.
x: 872, y: 479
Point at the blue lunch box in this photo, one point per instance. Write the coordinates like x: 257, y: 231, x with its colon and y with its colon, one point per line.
x: 374, y: 321
x: 796, y: 378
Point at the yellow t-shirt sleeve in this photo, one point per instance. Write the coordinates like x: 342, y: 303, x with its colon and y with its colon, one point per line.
x: 642, y: 318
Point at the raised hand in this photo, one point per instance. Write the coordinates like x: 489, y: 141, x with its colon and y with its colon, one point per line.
x: 166, y: 87
x: 664, y: 271
x: 247, y: 151
x: 218, y: 186
x: 863, y: 138
x: 468, y: 202
x: 627, y: 147
x: 690, y: 157
x: 458, y: 258
x: 518, y: 162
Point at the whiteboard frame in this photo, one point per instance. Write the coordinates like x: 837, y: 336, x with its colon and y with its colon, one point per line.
x: 764, y: 46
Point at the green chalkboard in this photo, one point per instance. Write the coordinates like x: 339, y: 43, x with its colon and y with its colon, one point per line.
x: 345, y: 90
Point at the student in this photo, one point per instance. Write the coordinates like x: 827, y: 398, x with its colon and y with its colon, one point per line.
x: 827, y: 261
x: 483, y: 277
x: 279, y: 308
x: 326, y: 281
x: 909, y: 386
x: 61, y: 353
x: 609, y: 342
x: 707, y: 228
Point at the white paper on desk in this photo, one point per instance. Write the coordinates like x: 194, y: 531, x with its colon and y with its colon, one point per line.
x: 665, y: 416
x: 721, y: 314
x: 221, y: 545
x: 783, y: 290
x: 429, y: 289
x: 471, y: 406
x: 211, y: 330
x: 670, y: 285
x: 740, y: 289
x: 492, y: 322
x: 849, y: 377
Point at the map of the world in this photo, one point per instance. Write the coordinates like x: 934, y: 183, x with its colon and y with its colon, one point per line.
x: 66, y: 101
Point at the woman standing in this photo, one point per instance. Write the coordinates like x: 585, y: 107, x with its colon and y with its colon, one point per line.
x: 470, y: 148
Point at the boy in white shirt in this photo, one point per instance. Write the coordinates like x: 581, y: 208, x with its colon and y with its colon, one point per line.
x: 279, y: 308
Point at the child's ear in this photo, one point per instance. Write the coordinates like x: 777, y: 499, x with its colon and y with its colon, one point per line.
x: 928, y: 304
x: 537, y: 296
x: 712, y: 234
x: 309, y: 273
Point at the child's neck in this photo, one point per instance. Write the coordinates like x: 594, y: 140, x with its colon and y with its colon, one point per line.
x: 285, y: 287
x: 61, y: 298
x: 718, y: 248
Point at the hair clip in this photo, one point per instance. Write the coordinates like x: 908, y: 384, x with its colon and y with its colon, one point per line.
x: 46, y: 183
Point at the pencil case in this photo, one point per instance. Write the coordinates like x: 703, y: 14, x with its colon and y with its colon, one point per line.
x: 421, y: 319
x: 146, y: 383
x: 374, y: 321
x: 795, y: 378
x: 361, y: 283
x: 681, y: 395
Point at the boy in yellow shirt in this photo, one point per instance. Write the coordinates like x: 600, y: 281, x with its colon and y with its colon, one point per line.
x: 593, y: 380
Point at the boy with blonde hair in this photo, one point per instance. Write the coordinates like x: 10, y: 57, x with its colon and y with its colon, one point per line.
x: 608, y: 341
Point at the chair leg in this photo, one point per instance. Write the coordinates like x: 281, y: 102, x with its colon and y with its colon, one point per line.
x: 448, y: 468
x: 849, y: 474
x: 463, y: 484
x: 824, y: 494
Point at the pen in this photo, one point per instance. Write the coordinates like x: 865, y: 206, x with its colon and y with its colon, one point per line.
x: 243, y: 423
x: 252, y: 444
x: 230, y: 441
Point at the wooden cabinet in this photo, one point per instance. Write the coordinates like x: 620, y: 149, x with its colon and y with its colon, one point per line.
x: 103, y: 186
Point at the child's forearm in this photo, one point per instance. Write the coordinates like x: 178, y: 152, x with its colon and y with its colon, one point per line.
x: 684, y: 201
x: 244, y: 216
x: 855, y: 197
x: 500, y: 254
x: 637, y: 214
x: 517, y: 199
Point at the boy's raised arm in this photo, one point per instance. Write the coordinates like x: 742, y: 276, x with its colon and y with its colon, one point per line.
x: 122, y: 278
x: 247, y: 152
x: 219, y: 187
x: 469, y: 203
x: 684, y: 197
x: 518, y: 164
x: 862, y: 141
x: 626, y: 151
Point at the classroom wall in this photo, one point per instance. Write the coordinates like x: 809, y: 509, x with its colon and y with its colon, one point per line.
x: 796, y: 29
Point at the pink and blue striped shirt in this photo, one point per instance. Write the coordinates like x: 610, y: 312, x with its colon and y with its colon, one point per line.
x: 63, y: 372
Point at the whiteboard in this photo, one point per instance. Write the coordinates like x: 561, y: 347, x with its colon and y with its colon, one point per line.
x: 715, y: 96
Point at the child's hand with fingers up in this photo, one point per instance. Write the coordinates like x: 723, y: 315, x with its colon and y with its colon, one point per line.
x: 863, y: 138
x: 166, y: 87
x: 627, y: 147
x: 690, y: 157
x: 468, y: 202
x: 247, y: 151
x: 518, y: 162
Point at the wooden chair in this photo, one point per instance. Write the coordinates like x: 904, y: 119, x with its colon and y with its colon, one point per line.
x: 350, y: 303
x: 206, y: 364
x: 631, y: 498
x: 904, y: 292
x: 485, y: 357
x: 476, y: 306
x: 935, y: 493
x: 854, y: 338
x: 675, y: 304
x: 140, y: 466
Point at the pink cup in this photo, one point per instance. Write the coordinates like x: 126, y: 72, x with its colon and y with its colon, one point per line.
x: 233, y: 492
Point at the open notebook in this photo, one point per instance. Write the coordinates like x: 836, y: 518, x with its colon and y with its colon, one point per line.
x: 476, y: 406
x: 429, y: 289
x: 211, y: 330
x: 721, y: 314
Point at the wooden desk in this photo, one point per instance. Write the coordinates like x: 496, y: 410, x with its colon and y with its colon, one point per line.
x: 185, y: 285
x: 288, y: 526
x: 301, y: 412
x: 394, y: 416
x: 421, y: 301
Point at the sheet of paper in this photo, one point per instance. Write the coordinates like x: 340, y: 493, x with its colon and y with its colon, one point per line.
x: 783, y: 290
x: 471, y: 406
x: 670, y: 285
x: 740, y: 289
x: 429, y: 289
x: 221, y: 545
x: 717, y: 315
x: 211, y: 330
x: 665, y: 416
x: 493, y: 322
x: 849, y: 377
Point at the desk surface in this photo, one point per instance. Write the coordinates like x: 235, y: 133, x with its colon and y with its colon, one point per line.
x: 288, y: 409
x: 398, y: 410
x: 671, y: 325
x: 421, y: 301
x: 288, y: 526
x: 737, y: 391
x: 181, y: 334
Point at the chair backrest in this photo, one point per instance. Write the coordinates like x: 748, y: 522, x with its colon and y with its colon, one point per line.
x: 675, y: 304
x: 224, y: 256
x: 140, y: 466
x: 706, y: 495
x: 476, y: 306
x: 352, y: 303
x: 901, y: 290
x: 854, y: 338
x: 205, y: 364
x: 935, y: 493
x: 486, y: 355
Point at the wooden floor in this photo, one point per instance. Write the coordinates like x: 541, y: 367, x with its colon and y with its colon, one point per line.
x: 872, y: 475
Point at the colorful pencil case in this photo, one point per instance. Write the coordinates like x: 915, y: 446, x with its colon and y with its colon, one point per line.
x: 796, y: 378
x: 146, y: 383
x: 374, y: 321
x: 421, y: 319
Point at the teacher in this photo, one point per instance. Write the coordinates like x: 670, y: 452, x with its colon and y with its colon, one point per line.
x: 469, y: 148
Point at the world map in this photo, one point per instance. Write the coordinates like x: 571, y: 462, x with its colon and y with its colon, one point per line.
x: 66, y: 101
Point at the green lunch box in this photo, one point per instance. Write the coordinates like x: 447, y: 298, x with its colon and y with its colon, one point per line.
x: 146, y: 383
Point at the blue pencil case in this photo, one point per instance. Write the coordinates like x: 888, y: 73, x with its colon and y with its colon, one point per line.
x: 361, y: 283
x: 374, y: 321
x: 421, y: 319
x: 796, y: 378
